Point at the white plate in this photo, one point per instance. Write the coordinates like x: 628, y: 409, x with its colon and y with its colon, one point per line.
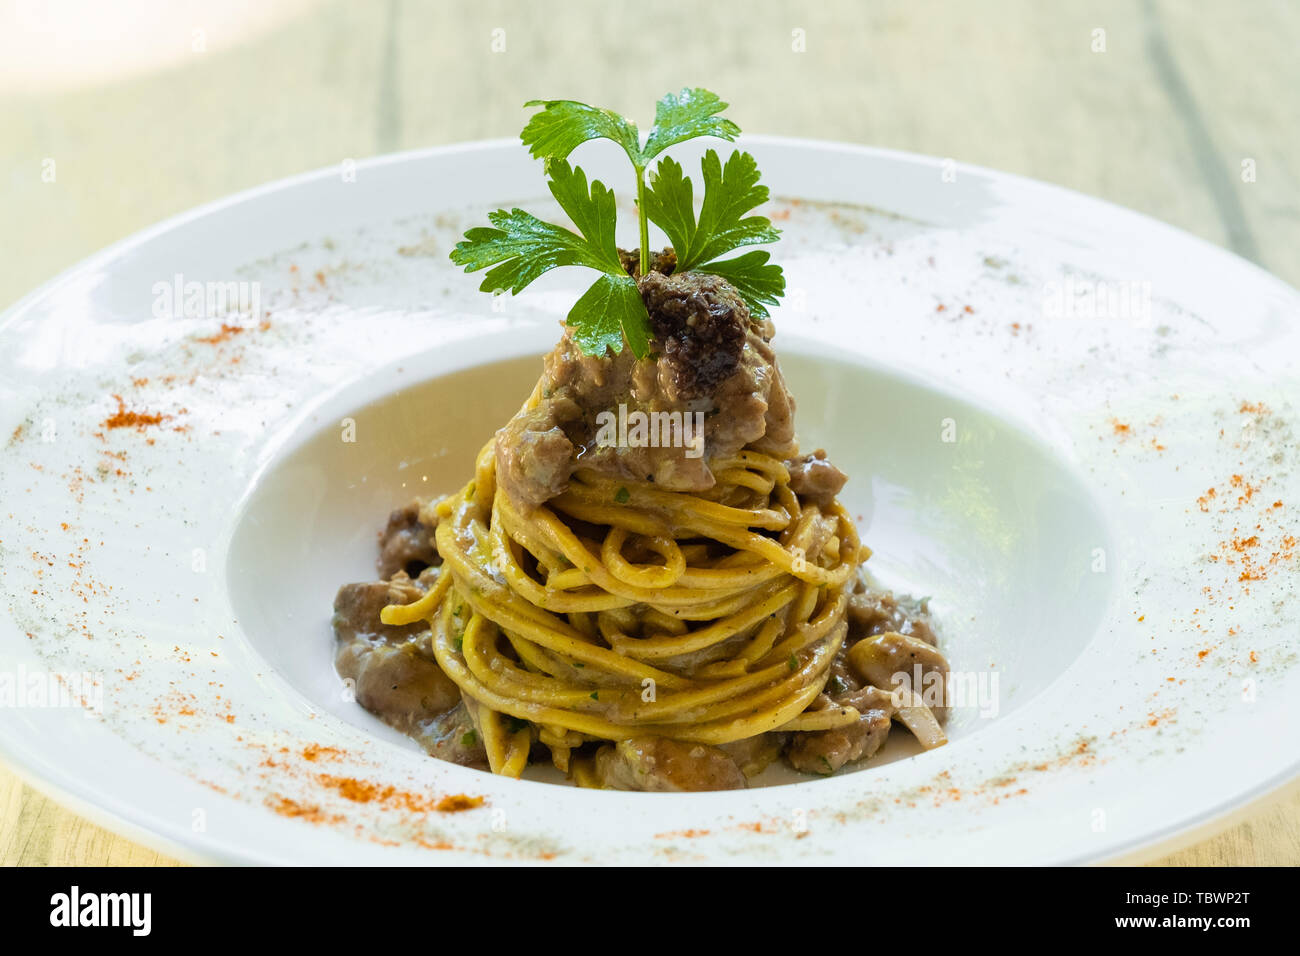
x: 1139, y: 627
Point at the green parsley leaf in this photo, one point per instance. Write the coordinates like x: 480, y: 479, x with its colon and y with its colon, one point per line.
x: 730, y: 192
x: 793, y: 662
x: 523, y: 247
x: 564, y: 125
x: 622, y: 496
x: 686, y: 115
x: 608, y: 312
x: 595, y: 695
x: 469, y: 739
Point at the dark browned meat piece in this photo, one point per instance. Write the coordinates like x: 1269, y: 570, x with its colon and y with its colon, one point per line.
x: 825, y: 751
x: 699, y: 323
x: 406, y: 543
x: 660, y: 764
x: 664, y: 261
x: 815, y: 479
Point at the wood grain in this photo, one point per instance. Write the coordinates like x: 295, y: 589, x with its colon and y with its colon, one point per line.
x: 1161, y: 122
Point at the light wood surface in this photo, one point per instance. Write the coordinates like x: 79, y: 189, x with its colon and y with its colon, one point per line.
x: 163, y: 105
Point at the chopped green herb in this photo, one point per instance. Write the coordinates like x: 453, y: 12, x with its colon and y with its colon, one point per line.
x: 622, y: 496
x: 470, y: 739
x: 793, y: 662
x: 595, y: 695
x: 827, y: 764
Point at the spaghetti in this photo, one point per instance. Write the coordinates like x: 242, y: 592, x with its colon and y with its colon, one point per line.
x: 619, y: 609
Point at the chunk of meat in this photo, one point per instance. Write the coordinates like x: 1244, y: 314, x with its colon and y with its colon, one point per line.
x: 357, y: 607
x: 534, y: 455
x: 392, y: 669
x: 825, y: 751
x: 406, y: 543
x: 452, y: 736
x: 663, y: 765
x: 700, y: 323
x: 754, y: 754
x: 395, y: 681
x: 664, y: 261
x: 872, y: 611
x: 815, y: 479
x: 710, y: 363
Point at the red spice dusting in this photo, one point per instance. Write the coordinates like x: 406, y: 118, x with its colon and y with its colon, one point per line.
x: 1164, y: 717
x: 681, y: 834
x: 226, y: 333
x: 366, y: 791
x: 303, y: 811
x: 315, y: 752
x: 457, y: 802
x: 131, y: 419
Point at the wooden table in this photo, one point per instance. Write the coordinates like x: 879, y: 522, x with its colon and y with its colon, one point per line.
x: 147, y: 117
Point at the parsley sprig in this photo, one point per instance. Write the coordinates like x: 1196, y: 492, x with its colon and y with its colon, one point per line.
x: 518, y: 247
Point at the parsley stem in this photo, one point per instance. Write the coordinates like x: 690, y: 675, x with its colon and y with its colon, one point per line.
x: 645, y: 221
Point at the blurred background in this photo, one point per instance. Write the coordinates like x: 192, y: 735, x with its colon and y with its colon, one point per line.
x: 114, y: 115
